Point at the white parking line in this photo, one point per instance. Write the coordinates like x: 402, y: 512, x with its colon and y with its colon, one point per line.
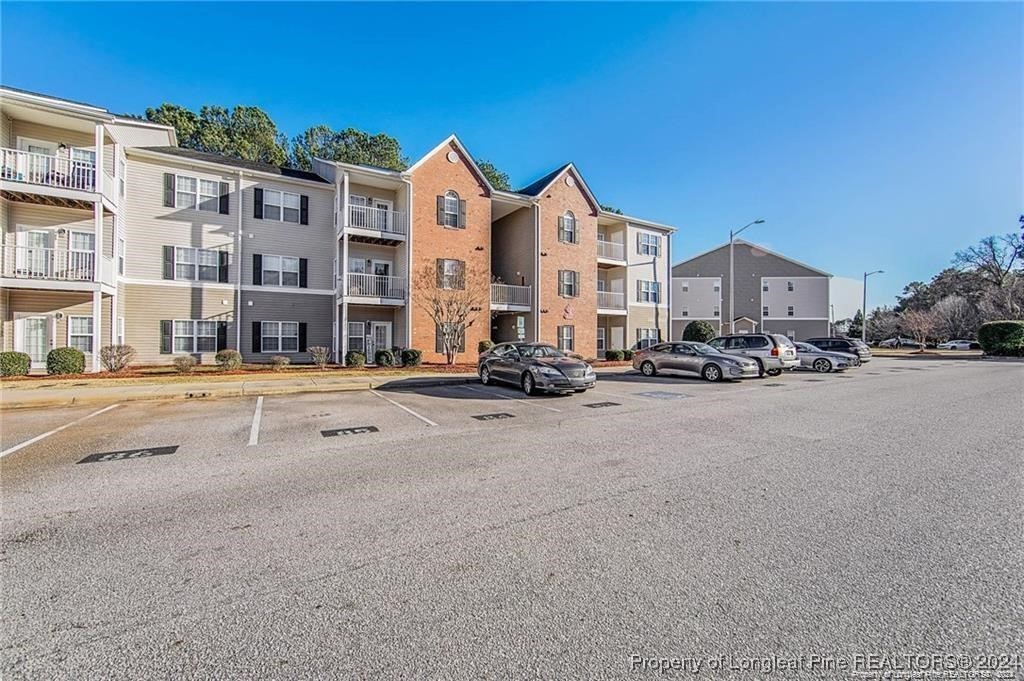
x: 405, y: 408
x: 506, y: 397
x: 257, y: 416
x: 37, y: 438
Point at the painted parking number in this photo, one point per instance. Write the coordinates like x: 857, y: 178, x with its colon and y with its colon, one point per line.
x: 127, y: 454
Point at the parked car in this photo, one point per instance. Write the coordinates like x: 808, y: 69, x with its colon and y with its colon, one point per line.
x: 959, y: 345
x: 773, y: 352
x: 852, y: 346
x: 535, y: 367
x: 697, y: 358
x: 899, y: 342
x: 824, y: 361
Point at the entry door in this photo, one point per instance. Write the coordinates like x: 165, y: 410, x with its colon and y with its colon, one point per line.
x: 34, y: 338
x: 382, y: 215
x: 380, y: 339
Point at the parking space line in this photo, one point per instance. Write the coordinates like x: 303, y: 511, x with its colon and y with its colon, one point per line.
x: 37, y: 438
x: 257, y: 416
x: 404, y: 408
x: 506, y: 397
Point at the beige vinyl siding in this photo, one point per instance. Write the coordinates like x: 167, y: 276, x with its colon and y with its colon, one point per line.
x: 138, y: 136
x: 46, y: 133
x: 372, y: 252
x: 145, y: 306
x: 6, y: 131
x: 380, y: 313
x: 19, y: 216
x: 278, y: 306
x: 376, y: 193
x: 23, y: 302
x: 514, y: 248
x: 644, y: 317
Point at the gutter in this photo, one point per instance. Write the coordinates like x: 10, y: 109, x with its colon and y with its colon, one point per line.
x: 238, y: 268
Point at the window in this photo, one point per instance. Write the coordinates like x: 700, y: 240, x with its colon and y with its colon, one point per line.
x: 568, y: 283
x: 648, y: 244
x: 789, y: 286
x: 686, y: 286
x: 120, y: 177
x: 684, y: 311
x: 717, y: 288
x: 83, y: 242
x: 790, y: 311
x: 764, y: 311
x: 279, y: 337
x: 451, y: 209
x: 356, y: 336
x: 191, y: 192
x: 567, y: 228
x: 716, y: 311
x: 764, y: 286
x: 195, y: 335
x: 566, y: 338
x: 196, y: 264
x: 279, y: 270
x: 451, y: 274
x: 282, y: 206
x: 646, y: 337
x: 80, y: 333
x: 648, y: 291
x: 357, y: 210
x: 120, y: 330
x: 600, y: 339
x: 120, y: 256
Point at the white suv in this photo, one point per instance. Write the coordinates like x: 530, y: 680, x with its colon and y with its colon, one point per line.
x: 773, y: 352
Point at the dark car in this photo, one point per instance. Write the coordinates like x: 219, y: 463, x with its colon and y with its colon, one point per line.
x: 535, y: 367
x: 851, y: 346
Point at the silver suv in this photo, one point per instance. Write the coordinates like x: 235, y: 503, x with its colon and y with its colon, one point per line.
x: 773, y: 352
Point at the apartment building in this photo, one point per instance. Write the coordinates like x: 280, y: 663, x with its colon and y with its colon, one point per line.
x: 774, y: 293
x: 112, y: 233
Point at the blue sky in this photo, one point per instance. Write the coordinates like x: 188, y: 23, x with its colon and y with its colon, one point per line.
x: 868, y: 135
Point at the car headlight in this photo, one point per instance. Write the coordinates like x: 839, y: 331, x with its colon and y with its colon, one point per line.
x: 548, y: 371
x: 589, y: 371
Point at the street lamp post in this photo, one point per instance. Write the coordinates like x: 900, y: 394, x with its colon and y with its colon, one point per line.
x: 732, y: 290
x: 864, y: 307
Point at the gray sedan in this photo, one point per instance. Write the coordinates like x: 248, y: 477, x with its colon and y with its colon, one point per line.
x: 823, y: 361
x: 697, y: 358
x: 535, y: 367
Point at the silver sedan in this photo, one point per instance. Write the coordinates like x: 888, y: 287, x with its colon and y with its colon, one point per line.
x: 824, y: 361
x: 697, y: 358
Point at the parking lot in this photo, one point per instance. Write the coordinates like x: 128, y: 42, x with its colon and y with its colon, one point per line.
x: 468, y: 530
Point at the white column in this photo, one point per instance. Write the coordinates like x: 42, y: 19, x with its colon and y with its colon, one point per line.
x: 99, y: 158
x: 97, y: 256
x: 343, y: 269
x: 344, y: 200
x: 97, y: 326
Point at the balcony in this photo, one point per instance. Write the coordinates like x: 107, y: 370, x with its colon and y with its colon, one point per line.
x: 611, y: 251
x: 374, y: 288
x: 611, y: 302
x: 510, y: 298
x: 387, y: 224
x: 56, y: 268
x: 48, y: 171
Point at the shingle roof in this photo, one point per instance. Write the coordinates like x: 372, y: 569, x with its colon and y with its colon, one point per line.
x: 539, y: 186
x: 238, y: 163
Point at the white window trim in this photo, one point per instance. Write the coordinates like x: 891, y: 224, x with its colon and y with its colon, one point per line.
x: 280, y: 272
x: 71, y: 240
x: 562, y: 340
x: 568, y: 236
x: 198, y: 193
x: 601, y: 342
x: 122, y: 256
x: 195, y: 335
x: 448, y: 281
x: 81, y: 335
x: 569, y: 290
x: 448, y: 195
x: 650, y: 244
x: 648, y: 291
x: 645, y: 333
x: 790, y: 310
x: 195, y: 251
x: 765, y: 311
x: 684, y: 311
x: 279, y: 337
x: 280, y: 217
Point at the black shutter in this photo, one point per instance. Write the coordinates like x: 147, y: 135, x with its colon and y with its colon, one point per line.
x: 575, y: 284
x: 438, y: 341
x: 222, y: 269
x: 302, y: 336
x: 461, y: 283
x: 166, y: 331
x: 440, y: 210
x: 257, y: 203
x: 561, y: 228
x: 462, y: 338
x: 462, y: 214
x: 575, y: 231
x: 257, y: 269
x: 168, y: 262
x: 257, y: 340
x: 169, y: 190
x: 440, y: 272
x: 303, y: 272
x: 222, y: 336
x: 225, y: 194
x: 561, y: 285
x: 303, y: 210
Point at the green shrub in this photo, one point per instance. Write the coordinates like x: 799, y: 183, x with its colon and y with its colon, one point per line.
x: 627, y: 355
x: 184, y: 364
x: 228, y: 360
x: 14, y: 363
x: 116, y: 358
x: 65, y: 361
x: 279, y: 362
x: 411, y: 357
x: 1004, y: 338
x: 699, y: 331
x: 384, y: 358
x: 484, y: 345
x: 354, y: 358
x: 614, y: 355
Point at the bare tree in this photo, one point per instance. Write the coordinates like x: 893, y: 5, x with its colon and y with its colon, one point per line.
x: 454, y: 299
x: 883, y: 323
x: 918, y: 323
x: 993, y: 260
x: 955, y: 317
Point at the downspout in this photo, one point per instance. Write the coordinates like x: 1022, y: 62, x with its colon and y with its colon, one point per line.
x: 238, y: 270
x: 408, y: 262
x: 335, y: 317
x: 537, y: 278
x: 343, y: 265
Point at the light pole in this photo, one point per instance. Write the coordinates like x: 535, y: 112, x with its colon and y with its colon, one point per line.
x: 864, y: 307
x: 732, y: 292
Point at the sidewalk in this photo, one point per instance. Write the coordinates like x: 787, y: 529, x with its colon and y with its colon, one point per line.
x: 20, y: 395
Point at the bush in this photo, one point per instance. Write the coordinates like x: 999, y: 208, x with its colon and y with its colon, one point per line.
x: 384, y: 358
x: 279, y: 362
x: 484, y: 345
x: 116, y: 357
x: 354, y: 358
x: 412, y: 357
x: 699, y: 331
x: 320, y: 355
x: 627, y: 355
x: 65, y: 361
x: 1004, y: 338
x: 228, y: 360
x: 14, y: 363
x: 614, y: 355
x: 184, y: 364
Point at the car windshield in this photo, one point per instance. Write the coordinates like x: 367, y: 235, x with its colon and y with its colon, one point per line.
x: 703, y: 349
x: 540, y: 351
x: 783, y: 341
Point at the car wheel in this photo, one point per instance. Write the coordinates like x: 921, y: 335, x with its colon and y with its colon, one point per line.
x: 760, y: 368
x: 774, y: 372
x: 822, y: 365
x: 529, y: 385
x: 712, y: 373
x: 485, y: 375
x: 648, y: 368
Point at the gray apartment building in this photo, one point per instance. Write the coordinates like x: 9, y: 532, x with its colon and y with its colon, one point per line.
x: 774, y: 293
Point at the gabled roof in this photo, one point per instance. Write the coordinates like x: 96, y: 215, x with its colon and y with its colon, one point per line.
x: 537, y: 188
x: 758, y: 247
x: 454, y: 139
x: 221, y: 159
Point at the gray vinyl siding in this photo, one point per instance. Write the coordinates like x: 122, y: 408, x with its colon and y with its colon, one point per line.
x: 280, y: 306
x: 809, y: 297
x: 803, y: 329
x: 700, y: 300
x: 144, y: 306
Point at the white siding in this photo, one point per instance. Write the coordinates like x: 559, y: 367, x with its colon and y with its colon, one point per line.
x: 809, y: 297
x: 700, y: 300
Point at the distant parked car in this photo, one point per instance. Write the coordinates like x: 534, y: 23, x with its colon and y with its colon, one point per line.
x: 773, y: 352
x: 535, y: 367
x: 959, y: 345
x: 899, y: 342
x: 697, y: 358
x: 852, y: 346
x: 824, y: 361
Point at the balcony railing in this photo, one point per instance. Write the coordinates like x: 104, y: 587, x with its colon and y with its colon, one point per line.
x: 378, y: 219
x: 611, y: 250
x: 611, y: 300
x: 30, y: 262
x: 505, y: 294
x: 375, y: 286
x: 51, y: 171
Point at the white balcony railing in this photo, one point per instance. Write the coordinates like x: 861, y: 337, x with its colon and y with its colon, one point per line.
x: 375, y: 286
x: 505, y: 294
x: 378, y: 219
x: 611, y: 250
x: 30, y: 262
x: 51, y: 171
x: 611, y: 300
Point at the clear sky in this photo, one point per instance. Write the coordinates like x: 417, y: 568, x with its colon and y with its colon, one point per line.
x: 868, y: 135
